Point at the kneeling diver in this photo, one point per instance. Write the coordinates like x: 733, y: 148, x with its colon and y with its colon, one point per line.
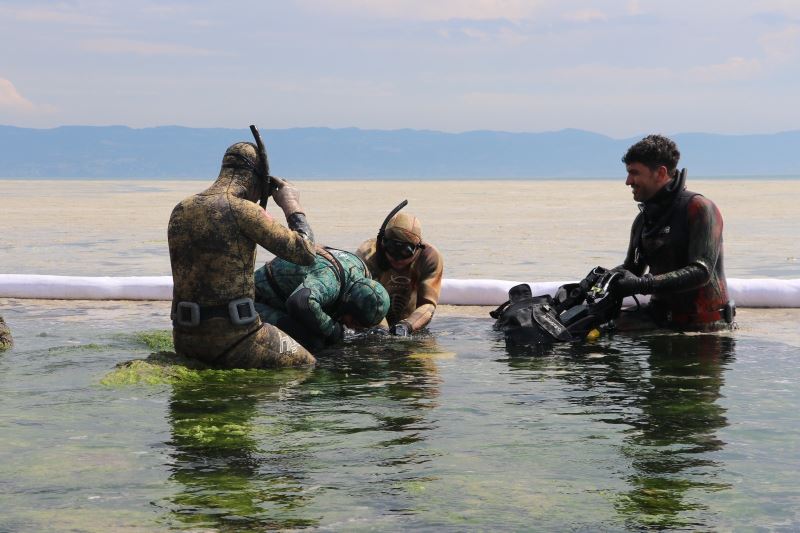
x: 212, y: 239
x: 315, y: 303
x: 409, y: 268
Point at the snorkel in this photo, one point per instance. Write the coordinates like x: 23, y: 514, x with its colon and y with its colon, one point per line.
x: 383, y: 263
x: 263, y: 168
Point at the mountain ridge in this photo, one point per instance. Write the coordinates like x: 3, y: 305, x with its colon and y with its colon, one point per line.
x: 179, y: 152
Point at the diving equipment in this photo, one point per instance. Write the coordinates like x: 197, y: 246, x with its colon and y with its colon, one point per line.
x: 383, y: 263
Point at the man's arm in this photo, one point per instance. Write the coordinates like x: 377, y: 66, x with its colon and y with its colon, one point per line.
x: 430, y: 286
x: 295, y: 243
x: 705, y: 242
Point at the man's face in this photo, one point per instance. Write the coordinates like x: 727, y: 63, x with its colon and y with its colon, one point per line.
x: 645, y: 183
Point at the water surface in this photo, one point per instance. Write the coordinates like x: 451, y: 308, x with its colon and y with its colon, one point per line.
x: 453, y: 430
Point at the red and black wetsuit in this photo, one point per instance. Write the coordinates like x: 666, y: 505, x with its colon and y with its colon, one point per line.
x: 678, y: 238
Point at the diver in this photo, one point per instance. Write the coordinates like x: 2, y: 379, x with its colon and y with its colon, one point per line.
x: 675, y: 251
x: 409, y: 268
x: 6, y: 341
x: 212, y: 246
x: 315, y: 303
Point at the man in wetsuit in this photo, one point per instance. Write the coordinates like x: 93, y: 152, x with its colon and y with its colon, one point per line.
x: 675, y: 250
x: 315, y: 303
x: 6, y: 341
x: 212, y: 245
x: 410, y: 269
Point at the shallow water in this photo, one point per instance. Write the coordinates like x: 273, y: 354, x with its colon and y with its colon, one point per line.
x: 451, y: 431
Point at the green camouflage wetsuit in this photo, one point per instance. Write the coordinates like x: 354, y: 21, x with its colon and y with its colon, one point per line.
x: 212, y: 243
x: 677, y: 239
x: 310, y: 302
x: 6, y: 341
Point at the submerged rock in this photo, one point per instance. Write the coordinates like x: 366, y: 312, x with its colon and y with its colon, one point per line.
x: 6, y: 341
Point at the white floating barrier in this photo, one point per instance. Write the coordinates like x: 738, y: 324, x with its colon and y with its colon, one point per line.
x: 764, y: 292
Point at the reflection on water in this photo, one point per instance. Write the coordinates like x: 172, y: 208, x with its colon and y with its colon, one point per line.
x: 676, y: 428
x: 451, y: 432
x: 662, y: 391
x: 251, y: 449
x: 226, y: 478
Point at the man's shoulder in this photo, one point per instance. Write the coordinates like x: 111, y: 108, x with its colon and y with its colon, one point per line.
x: 430, y: 258
x: 697, y: 201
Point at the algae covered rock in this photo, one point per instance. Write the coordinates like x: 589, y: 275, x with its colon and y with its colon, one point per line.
x: 6, y: 341
x: 159, y: 368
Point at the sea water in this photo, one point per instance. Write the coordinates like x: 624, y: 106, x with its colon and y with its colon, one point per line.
x: 451, y: 430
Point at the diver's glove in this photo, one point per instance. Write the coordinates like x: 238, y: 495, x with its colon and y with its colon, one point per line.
x: 401, y: 329
x: 629, y: 284
x: 336, y: 335
x: 377, y: 331
x: 286, y: 196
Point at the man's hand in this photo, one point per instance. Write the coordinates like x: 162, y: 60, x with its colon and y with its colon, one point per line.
x: 629, y: 284
x: 336, y: 335
x: 401, y: 329
x: 286, y: 196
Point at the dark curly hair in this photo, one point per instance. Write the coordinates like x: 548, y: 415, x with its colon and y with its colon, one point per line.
x: 654, y: 151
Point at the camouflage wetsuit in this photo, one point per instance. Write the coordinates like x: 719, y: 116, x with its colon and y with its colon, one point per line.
x: 308, y: 301
x: 212, y: 243
x: 414, y: 290
x: 6, y: 341
x: 678, y: 237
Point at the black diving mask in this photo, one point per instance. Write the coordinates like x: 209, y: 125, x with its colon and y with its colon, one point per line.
x: 400, y: 250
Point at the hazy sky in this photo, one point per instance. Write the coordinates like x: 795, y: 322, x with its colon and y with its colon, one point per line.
x: 620, y: 68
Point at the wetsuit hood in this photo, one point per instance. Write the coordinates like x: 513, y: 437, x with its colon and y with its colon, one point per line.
x: 366, y: 301
x: 240, y: 173
x: 404, y: 227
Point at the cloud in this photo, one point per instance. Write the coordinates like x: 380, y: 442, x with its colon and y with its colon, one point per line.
x: 437, y: 10
x: 586, y: 15
x: 129, y: 46
x: 44, y: 15
x: 11, y: 99
x: 13, y: 104
x: 735, y: 68
x: 782, y: 46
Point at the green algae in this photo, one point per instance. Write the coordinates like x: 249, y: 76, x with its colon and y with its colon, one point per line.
x: 162, y: 368
x: 159, y: 340
x: 91, y: 347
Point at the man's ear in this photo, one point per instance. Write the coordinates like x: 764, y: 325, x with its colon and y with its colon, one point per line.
x: 663, y: 174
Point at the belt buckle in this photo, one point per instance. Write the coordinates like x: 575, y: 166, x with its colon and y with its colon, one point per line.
x: 187, y: 314
x: 242, y: 311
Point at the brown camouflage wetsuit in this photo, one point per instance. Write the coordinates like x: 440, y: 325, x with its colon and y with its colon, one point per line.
x: 414, y: 290
x: 212, y: 243
x: 678, y: 237
x: 6, y: 341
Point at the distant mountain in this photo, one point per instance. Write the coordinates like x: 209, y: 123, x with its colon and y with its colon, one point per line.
x: 173, y: 152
